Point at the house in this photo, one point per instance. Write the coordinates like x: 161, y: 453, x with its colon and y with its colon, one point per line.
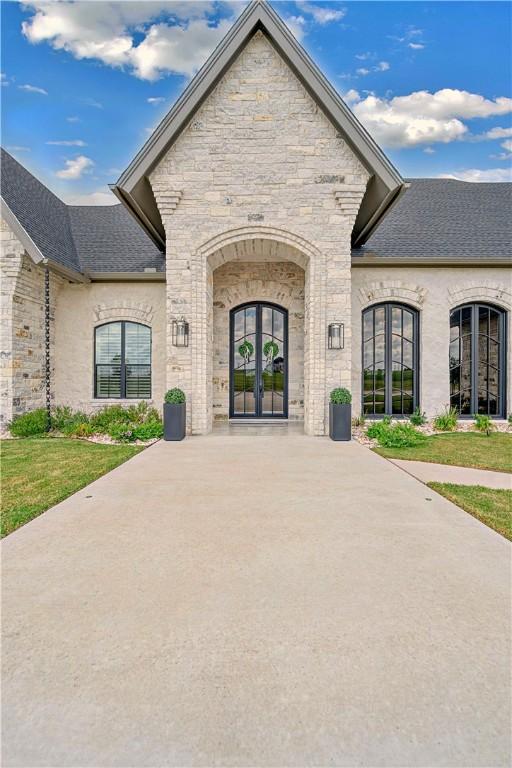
x: 264, y: 250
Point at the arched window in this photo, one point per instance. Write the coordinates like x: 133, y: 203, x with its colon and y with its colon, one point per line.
x: 477, y: 360
x: 122, y: 360
x: 390, y: 360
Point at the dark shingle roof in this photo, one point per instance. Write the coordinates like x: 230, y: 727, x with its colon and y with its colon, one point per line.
x: 84, y: 238
x: 41, y: 214
x: 434, y: 218
x: 446, y: 218
x: 108, y: 239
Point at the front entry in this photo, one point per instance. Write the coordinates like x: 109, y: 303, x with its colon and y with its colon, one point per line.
x: 258, y: 361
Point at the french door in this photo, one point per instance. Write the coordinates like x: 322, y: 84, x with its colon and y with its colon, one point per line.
x: 258, y: 361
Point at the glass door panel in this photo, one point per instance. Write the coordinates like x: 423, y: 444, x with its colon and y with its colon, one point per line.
x: 259, y: 361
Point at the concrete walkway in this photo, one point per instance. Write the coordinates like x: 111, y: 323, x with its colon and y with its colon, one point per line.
x: 429, y: 472
x: 256, y: 602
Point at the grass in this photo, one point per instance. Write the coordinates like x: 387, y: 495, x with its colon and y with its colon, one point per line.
x: 490, y: 506
x: 39, y: 472
x: 465, y: 449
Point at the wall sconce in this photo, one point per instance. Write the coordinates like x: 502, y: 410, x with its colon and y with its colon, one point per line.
x: 336, y: 336
x: 180, y: 332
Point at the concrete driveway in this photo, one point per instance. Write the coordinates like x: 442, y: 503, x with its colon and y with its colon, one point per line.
x: 256, y: 601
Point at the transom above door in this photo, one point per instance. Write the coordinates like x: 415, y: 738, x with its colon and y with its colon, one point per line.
x: 258, y: 361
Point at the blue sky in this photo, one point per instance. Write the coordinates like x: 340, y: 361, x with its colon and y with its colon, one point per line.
x: 84, y: 83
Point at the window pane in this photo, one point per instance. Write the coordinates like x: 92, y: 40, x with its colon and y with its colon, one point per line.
x: 108, y: 381
x: 494, y: 325
x: 408, y: 325
x: 138, y: 381
x: 454, y: 324
x: 368, y: 325
x: 379, y: 320
x: 108, y: 343
x: 466, y: 321
x: 137, y: 344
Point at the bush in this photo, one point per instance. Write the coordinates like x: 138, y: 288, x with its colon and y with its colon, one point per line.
x: 341, y: 396
x: 64, y: 419
x: 29, y: 424
x: 417, y: 417
x: 174, y: 395
x: 121, y: 431
x: 509, y: 418
x: 359, y: 421
x: 484, y: 423
x: 447, y: 421
x: 149, y: 430
x: 80, y: 429
x: 398, y: 435
x: 102, y: 420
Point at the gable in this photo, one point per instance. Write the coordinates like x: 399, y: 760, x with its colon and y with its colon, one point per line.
x: 385, y: 183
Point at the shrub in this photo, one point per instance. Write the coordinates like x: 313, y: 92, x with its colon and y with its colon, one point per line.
x: 341, y: 396
x: 417, y: 417
x: 398, y: 435
x: 509, y: 418
x: 64, y: 419
x: 80, y: 429
x: 359, y: 421
x: 484, y: 423
x: 149, y: 430
x: 141, y: 413
x: 29, y: 424
x: 174, y: 395
x: 123, y: 432
x: 102, y: 420
x: 447, y: 421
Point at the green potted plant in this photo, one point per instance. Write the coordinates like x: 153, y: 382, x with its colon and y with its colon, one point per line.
x: 340, y: 414
x: 174, y: 414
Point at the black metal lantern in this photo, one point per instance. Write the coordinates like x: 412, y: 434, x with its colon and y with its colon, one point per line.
x: 180, y: 332
x: 336, y: 336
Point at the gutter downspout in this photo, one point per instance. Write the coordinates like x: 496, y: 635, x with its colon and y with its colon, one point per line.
x: 47, y: 361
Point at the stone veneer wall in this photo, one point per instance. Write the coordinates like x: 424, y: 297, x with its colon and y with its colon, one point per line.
x: 259, y: 160
x: 80, y: 308
x: 237, y: 282
x: 434, y: 292
x: 22, y: 353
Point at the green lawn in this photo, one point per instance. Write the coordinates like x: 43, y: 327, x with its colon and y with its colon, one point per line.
x: 463, y: 449
x: 493, y: 507
x: 38, y: 473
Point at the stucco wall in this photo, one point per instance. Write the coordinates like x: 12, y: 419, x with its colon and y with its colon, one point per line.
x: 80, y: 308
x: 434, y: 291
x: 259, y: 160
x: 22, y: 350
x: 238, y: 282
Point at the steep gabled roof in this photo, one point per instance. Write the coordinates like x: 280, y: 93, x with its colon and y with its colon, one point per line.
x: 75, y: 238
x: 385, y: 184
x: 444, y: 219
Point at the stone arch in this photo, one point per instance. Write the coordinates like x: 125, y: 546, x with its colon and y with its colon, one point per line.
x: 227, y: 246
x: 482, y: 290
x: 123, y: 310
x: 392, y: 290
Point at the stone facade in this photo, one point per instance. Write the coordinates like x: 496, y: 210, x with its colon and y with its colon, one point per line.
x: 22, y: 353
x: 80, y: 308
x: 259, y: 161
x: 238, y: 282
x: 434, y: 292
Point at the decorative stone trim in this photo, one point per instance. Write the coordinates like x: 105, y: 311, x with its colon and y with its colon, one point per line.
x: 349, y: 198
x: 481, y: 290
x: 168, y: 199
x: 392, y: 290
x: 124, y: 310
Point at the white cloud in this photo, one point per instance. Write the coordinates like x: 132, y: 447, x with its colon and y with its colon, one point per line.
x: 296, y: 25
x: 92, y: 103
x: 322, y: 14
x: 351, y: 96
x: 92, y: 198
x: 3, y: 79
x: 497, y: 133
x: 110, y: 33
x: 75, y: 168
x: 429, y: 151
x: 73, y: 143
x: 382, y: 66
x: 476, y: 174
x: 424, y: 118
x: 362, y: 71
x: 416, y: 46
x: 73, y: 119
x: 15, y: 148
x: 364, y: 56
x: 507, y: 145
x: 155, y: 99
x: 33, y: 89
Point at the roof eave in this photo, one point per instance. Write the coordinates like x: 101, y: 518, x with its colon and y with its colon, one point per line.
x: 374, y: 260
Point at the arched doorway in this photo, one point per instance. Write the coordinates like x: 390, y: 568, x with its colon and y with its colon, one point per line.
x: 258, y: 361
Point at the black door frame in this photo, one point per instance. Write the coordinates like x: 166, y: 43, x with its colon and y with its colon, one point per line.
x: 258, y: 394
